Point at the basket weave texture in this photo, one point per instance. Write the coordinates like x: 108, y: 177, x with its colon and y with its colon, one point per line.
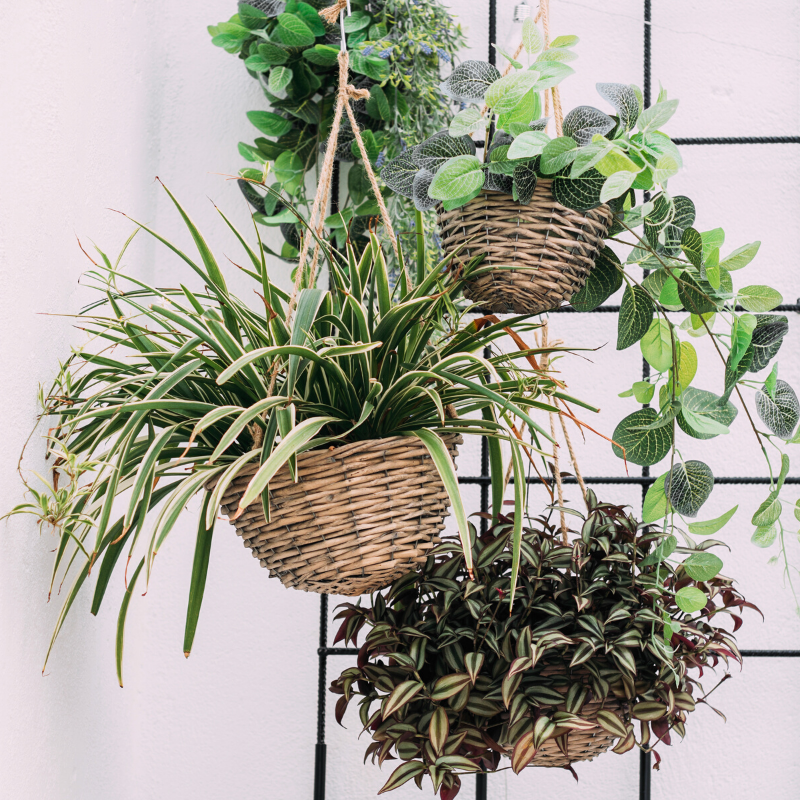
x: 581, y: 745
x: 543, y: 252
x: 358, y: 517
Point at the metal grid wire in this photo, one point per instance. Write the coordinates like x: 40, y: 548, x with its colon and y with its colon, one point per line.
x: 483, y: 480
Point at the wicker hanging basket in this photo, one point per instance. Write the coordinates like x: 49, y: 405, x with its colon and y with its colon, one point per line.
x: 358, y: 517
x: 581, y: 745
x: 542, y: 252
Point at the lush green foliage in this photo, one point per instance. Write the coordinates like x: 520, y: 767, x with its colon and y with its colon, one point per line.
x: 601, y: 159
x: 396, y: 49
x: 686, y: 270
x: 175, y: 389
x: 452, y: 675
x: 597, y: 160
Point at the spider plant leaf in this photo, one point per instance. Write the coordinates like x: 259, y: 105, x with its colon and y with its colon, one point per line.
x: 62, y: 615
x: 116, y: 542
x: 495, y: 467
x: 202, y: 552
x: 382, y: 282
x: 145, y: 472
x: 308, y: 303
x: 231, y: 348
x: 359, y: 318
x: 150, y: 405
x: 212, y: 418
x: 392, y: 325
x: 224, y: 481
x: 173, y: 509
x: 212, y: 268
x: 290, y: 444
x: 447, y: 472
x: 519, y: 512
x: 499, y: 401
x: 123, y: 614
x: 256, y: 261
x: 241, y: 422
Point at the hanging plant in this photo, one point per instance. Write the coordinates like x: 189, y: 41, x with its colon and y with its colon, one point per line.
x: 397, y: 48
x: 540, y: 211
x: 605, y: 642
x: 358, y: 393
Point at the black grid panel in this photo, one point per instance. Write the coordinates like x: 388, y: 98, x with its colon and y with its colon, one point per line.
x: 483, y: 480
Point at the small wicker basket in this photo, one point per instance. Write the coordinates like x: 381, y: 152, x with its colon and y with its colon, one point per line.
x: 359, y: 516
x: 543, y: 251
x: 581, y: 745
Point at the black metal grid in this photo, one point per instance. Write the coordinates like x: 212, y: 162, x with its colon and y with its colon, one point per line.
x: 484, y: 480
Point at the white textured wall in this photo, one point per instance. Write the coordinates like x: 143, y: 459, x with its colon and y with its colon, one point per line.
x: 98, y: 98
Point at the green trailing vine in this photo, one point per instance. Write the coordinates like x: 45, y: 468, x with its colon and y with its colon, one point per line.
x: 668, y: 267
x: 397, y: 50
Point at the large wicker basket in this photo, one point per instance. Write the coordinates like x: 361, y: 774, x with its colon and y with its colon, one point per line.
x: 542, y: 252
x: 581, y: 745
x: 358, y: 517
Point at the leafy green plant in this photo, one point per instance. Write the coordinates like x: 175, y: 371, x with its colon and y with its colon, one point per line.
x: 453, y: 675
x: 181, y: 386
x: 686, y: 272
x: 599, y: 158
x: 605, y: 158
x: 396, y: 50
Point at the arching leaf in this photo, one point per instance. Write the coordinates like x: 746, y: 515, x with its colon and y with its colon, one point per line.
x: 698, y: 407
x: 399, y: 173
x: 690, y: 599
x: 623, y: 98
x: 603, y: 281
x: 422, y: 181
x: 440, y: 148
x: 635, y: 316
x: 702, y: 566
x: 583, y: 122
x: 767, y: 339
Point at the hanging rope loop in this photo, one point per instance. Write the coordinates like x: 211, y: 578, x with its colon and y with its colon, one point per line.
x: 331, y: 14
x: 346, y: 93
x: 558, y: 113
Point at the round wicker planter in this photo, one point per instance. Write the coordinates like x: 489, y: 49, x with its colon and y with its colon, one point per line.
x: 581, y: 745
x: 358, y: 517
x: 542, y: 252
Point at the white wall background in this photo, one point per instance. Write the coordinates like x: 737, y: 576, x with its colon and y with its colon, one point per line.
x: 98, y: 98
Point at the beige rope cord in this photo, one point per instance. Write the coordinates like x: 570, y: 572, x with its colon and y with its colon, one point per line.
x: 558, y: 114
x: 359, y: 516
x: 346, y: 93
x: 545, y: 360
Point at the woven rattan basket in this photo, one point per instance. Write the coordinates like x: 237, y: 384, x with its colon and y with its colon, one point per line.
x: 542, y: 252
x: 359, y: 516
x: 581, y: 745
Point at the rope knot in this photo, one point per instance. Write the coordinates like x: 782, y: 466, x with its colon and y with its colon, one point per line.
x: 350, y: 92
x: 331, y: 14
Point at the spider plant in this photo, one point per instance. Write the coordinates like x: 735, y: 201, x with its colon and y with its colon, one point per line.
x: 180, y: 386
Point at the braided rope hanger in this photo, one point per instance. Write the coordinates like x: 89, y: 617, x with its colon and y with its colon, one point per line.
x: 345, y: 94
